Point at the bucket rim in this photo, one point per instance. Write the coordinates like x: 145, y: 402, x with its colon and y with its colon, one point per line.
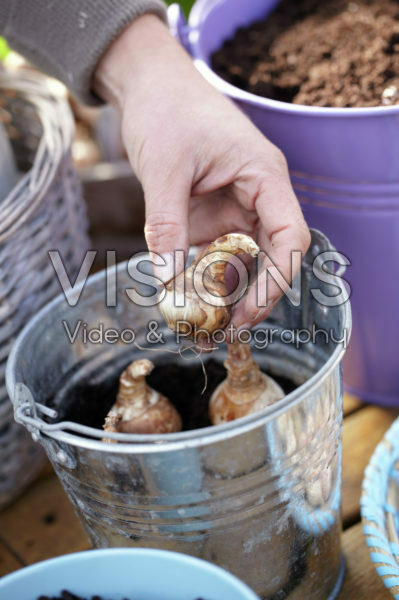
x: 154, y: 443
x: 202, y: 8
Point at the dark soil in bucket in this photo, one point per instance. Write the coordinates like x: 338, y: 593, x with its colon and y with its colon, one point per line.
x: 335, y: 53
x: 88, y: 401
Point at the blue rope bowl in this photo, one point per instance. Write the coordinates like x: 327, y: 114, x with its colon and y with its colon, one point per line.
x: 380, y: 509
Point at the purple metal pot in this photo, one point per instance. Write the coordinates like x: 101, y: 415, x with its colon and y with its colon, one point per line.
x: 344, y: 165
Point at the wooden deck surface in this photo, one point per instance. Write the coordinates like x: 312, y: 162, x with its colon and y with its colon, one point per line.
x: 42, y: 524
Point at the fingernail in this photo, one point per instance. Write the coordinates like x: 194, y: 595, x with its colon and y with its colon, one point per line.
x: 163, y: 266
x: 260, y: 311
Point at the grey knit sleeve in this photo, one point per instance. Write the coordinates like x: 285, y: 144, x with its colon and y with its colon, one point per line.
x: 66, y: 38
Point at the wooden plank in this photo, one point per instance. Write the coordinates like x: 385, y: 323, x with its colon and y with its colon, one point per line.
x: 361, y: 579
x: 362, y: 432
x: 42, y: 523
x: 351, y: 404
x: 8, y: 562
x: 47, y: 470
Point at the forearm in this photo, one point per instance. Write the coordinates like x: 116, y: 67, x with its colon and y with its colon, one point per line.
x: 151, y: 51
x: 67, y: 38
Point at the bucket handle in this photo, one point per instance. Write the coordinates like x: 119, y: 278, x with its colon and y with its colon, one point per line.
x: 26, y: 411
x: 178, y: 25
x: 29, y: 413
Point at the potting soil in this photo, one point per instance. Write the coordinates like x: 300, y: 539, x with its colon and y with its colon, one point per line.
x: 336, y: 53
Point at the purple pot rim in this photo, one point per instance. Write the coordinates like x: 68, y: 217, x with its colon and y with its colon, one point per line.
x: 202, y: 7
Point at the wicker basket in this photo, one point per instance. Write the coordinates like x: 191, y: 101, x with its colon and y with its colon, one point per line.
x: 44, y: 211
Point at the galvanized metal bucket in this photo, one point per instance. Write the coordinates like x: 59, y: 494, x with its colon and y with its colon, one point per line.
x: 259, y: 496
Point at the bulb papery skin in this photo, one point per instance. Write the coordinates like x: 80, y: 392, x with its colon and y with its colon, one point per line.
x: 245, y: 391
x: 138, y: 408
x: 195, y: 304
x: 188, y: 314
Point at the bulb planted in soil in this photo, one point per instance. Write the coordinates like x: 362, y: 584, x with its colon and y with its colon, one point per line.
x: 138, y: 407
x: 246, y: 390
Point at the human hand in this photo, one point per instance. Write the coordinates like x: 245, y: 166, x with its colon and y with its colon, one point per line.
x: 204, y: 167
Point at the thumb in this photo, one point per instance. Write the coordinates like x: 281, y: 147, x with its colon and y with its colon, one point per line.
x: 166, y: 227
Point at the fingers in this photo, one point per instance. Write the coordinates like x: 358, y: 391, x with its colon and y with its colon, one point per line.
x: 216, y: 214
x: 173, y: 223
x: 284, y: 237
x: 166, y: 226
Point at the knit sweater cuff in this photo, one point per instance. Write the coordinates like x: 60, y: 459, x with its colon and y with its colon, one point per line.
x: 66, y: 38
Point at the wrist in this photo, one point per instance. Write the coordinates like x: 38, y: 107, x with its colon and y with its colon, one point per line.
x: 135, y: 51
